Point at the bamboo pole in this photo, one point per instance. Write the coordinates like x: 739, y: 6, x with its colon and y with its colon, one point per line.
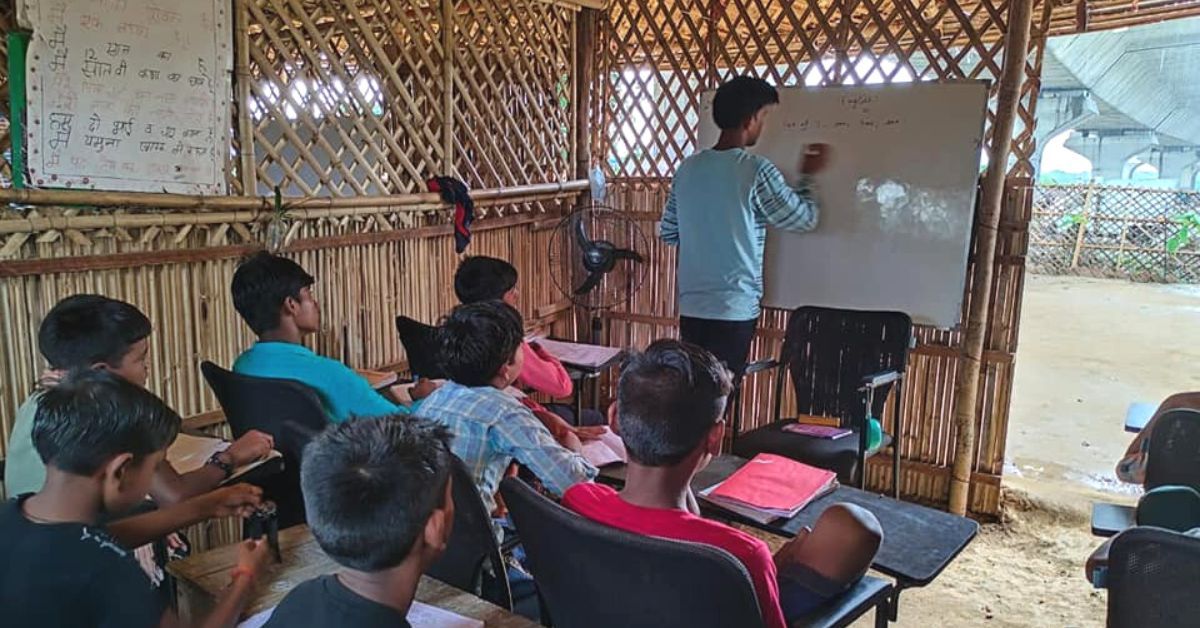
x: 966, y: 395
x: 241, y: 72
x: 1081, y: 230
x: 244, y: 208
x: 448, y: 54
x: 585, y: 72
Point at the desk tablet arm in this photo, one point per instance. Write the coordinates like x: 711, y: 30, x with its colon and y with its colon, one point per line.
x: 763, y: 365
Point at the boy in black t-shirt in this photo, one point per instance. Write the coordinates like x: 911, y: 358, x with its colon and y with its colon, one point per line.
x: 377, y: 495
x: 101, y: 438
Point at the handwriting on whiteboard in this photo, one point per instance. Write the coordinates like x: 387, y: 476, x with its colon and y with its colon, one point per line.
x: 128, y: 94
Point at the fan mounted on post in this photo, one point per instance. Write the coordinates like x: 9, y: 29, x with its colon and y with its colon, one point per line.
x: 597, y: 259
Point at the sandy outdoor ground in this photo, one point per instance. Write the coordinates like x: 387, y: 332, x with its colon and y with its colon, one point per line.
x: 1088, y: 349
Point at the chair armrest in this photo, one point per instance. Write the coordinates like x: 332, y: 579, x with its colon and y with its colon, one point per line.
x: 882, y: 378
x: 762, y: 365
x: 1110, y: 519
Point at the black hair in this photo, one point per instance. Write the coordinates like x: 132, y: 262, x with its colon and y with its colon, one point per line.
x: 739, y: 99
x: 370, y: 486
x: 481, y: 278
x: 261, y: 285
x: 668, y: 398
x: 86, y: 329
x: 93, y: 415
x: 477, y: 339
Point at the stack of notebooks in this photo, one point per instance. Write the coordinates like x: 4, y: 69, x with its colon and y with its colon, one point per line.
x: 769, y: 487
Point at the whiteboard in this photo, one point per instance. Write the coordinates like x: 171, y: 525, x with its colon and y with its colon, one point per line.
x: 128, y: 94
x: 897, y: 201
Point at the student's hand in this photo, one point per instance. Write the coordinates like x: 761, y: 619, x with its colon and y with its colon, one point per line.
x: 238, y: 500
x: 250, y: 447
x: 423, y: 388
x: 571, y: 442
x: 253, y: 555
x: 815, y: 159
x: 590, y: 432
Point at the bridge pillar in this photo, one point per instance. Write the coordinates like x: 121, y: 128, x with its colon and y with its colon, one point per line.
x: 1109, y: 152
x: 1058, y: 111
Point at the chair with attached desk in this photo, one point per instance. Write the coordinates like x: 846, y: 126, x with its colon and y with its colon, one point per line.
x: 473, y: 560
x: 843, y: 364
x: 287, y: 410
x: 610, y: 577
x: 1153, y: 579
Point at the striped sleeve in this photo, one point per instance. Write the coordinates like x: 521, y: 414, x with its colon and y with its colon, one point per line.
x: 668, y: 226
x: 779, y: 205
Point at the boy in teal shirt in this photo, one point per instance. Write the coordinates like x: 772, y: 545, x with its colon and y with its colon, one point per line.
x: 722, y: 200
x: 274, y: 296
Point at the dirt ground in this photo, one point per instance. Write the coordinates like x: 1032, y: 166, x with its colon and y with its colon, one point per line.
x: 1088, y: 349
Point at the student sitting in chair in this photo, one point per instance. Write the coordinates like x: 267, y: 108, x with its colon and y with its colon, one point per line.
x: 274, y: 296
x: 1132, y: 467
x: 102, y: 439
x: 378, y: 499
x: 670, y: 404
x: 480, y: 279
x: 480, y: 348
x: 88, y: 331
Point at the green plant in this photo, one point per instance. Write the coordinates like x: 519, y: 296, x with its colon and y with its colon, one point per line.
x: 1189, y: 227
x: 1071, y: 220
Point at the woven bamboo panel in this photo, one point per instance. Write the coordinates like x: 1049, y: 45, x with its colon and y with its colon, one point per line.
x: 1131, y: 233
x: 367, y: 271
x: 376, y: 96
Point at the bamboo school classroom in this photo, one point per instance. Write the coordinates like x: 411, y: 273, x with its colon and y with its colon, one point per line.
x: 576, y: 313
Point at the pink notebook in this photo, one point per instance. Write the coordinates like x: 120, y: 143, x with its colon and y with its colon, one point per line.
x: 775, y: 483
x: 817, y: 431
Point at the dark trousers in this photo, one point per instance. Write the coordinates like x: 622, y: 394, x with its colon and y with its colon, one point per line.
x: 728, y: 340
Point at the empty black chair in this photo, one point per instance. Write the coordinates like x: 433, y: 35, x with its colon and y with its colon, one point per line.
x: 589, y: 574
x: 843, y: 364
x: 472, y: 560
x: 420, y: 344
x: 1173, y: 457
x: 287, y: 410
x: 1153, y: 579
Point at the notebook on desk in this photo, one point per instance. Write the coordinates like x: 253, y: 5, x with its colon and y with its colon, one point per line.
x: 769, y: 487
x: 584, y: 356
x: 189, y: 453
x: 606, y: 450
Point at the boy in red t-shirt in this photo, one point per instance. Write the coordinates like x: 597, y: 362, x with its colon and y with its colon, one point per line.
x: 670, y: 401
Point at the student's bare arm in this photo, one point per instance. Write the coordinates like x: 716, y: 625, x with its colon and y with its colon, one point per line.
x: 251, y: 557
x: 139, y: 530
x: 171, y: 487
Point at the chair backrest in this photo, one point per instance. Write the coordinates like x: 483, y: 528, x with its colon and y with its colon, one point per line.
x: 829, y: 351
x: 1153, y: 579
x: 287, y: 410
x: 1174, y: 452
x: 591, y: 575
x: 472, y: 560
x: 1172, y: 507
x: 420, y: 344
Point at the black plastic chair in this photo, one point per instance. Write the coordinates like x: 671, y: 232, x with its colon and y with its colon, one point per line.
x: 287, y: 410
x: 589, y: 574
x: 1153, y: 579
x: 1173, y: 457
x: 420, y: 344
x: 473, y: 560
x: 843, y: 364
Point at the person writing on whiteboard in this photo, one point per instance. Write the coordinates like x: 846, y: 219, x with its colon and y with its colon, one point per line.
x: 722, y: 200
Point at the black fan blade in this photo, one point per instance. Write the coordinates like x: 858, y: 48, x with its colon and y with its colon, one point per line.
x: 581, y: 235
x: 593, y: 280
x: 627, y: 254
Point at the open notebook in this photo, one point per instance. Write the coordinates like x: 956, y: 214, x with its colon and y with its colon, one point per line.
x: 189, y: 453
x: 608, y: 449
x: 419, y: 616
x: 584, y: 356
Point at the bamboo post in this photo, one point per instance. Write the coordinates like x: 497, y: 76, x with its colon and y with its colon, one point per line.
x: 448, y: 55
x: 241, y: 72
x: 585, y: 73
x: 966, y: 394
x: 1088, y: 198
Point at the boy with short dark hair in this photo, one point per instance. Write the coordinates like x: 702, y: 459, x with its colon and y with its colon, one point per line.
x: 669, y: 406
x: 377, y: 495
x: 274, y: 296
x: 721, y: 202
x: 102, y: 439
x: 88, y: 331
x: 479, y: 345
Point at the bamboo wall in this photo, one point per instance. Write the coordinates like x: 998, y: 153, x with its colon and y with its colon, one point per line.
x: 484, y: 90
